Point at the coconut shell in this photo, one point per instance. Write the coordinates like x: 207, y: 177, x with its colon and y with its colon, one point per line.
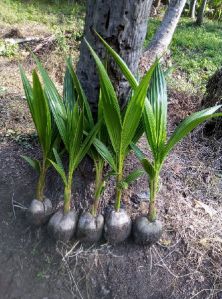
x: 117, y: 226
x: 146, y: 232
x: 90, y: 228
x: 63, y: 226
x: 39, y: 212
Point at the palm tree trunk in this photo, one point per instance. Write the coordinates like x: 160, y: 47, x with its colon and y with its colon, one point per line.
x: 123, y: 24
x: 200, y: 14
x: 164, y: 34
x: 193, y: 4
x: 156, y: 3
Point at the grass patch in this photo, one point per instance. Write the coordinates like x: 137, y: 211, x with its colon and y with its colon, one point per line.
x: 59, y: 18
x: 196, y: 51
x: 47, y: 13
x: 7, y: 49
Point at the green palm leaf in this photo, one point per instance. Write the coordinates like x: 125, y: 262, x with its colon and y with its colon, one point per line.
x: 148, y: 167
x: 134, y: 175
x: 134, y: 111
x: 69, y: 93
x: 60, y: 171
x: 187, y: 125
x: 28, y: 90
x: 58, y: 159
x: 157, y: 95
x: 82, y: 97
x: 105, y: 153
x: 76, y: 139
x: 112, y: 114
x: 87, y: 143
x: 35, y: 164
x: 121, y: 63
x: 56, y: 104
x: 42, y: 117
x: 150, y: 127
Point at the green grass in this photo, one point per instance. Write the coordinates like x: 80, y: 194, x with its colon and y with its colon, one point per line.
x: 196, y: 51
x: 7, y: 49
x: 44, y: 12
x: 58, y: 17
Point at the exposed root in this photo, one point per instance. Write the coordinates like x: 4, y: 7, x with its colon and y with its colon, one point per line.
x: 79, y: 263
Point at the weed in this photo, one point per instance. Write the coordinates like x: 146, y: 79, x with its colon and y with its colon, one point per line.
x: 7, y: 49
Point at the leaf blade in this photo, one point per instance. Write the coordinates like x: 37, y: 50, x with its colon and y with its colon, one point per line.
x: 35, y: 164
x: 188, y: 124
x: 111, y: 109
x: 134, y: 111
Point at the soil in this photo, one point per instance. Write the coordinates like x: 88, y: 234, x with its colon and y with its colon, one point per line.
x: 185, y: 264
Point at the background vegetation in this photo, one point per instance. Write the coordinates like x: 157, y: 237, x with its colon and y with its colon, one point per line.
x: 195, y: 51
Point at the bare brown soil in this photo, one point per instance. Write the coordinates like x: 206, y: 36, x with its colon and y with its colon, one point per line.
x: 185, y: 264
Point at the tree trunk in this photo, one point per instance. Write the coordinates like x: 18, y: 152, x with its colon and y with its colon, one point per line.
x: 123, y: 24
x: 193, y: 4
x: 156, y: 3
x: 200, y: 14
x: 164, y: 34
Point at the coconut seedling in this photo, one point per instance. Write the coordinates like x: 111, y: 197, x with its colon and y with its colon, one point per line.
x: 122, y: 128
x: 90, y: 224
x: 40, y: 207
x: 69, y: 118
x: 148, y: 230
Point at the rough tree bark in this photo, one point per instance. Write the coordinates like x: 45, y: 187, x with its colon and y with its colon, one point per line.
x: 156, y: 3
x: 123, y: 24
x: 193, y: 4
x: 200, y: 14
x: 164, y: 34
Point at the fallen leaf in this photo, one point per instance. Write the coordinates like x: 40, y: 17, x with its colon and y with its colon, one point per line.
x: 209, y: 210
x: 165, y: 242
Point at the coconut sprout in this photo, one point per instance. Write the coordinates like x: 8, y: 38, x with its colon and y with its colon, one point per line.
x: 41, y: 207
x: 90, y: 224
x: 69, y: 117
x: 122, y: 128
x: 154, y: 123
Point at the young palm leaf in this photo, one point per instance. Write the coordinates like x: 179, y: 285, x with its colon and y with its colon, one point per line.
x: 101, y: 137
x: 155, y: 124
x: 69, y: 118
x: 40, y: 113
x: 41, y: 116
x: 121, y: 128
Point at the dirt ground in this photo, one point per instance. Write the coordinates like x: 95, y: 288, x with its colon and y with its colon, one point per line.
x: 185, y: 264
